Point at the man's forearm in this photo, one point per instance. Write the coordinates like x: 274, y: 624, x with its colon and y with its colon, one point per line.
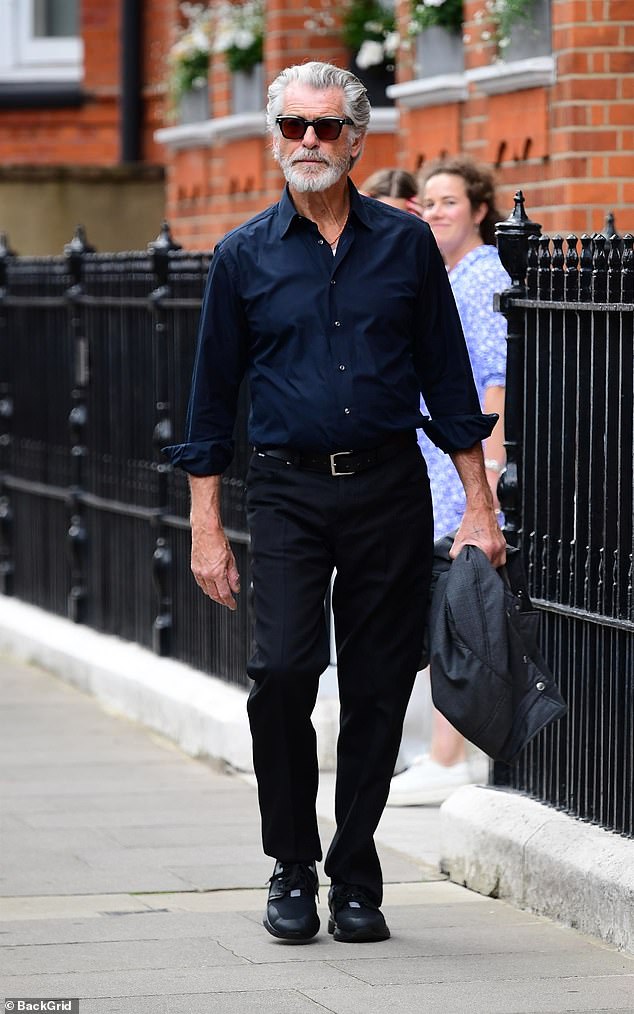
x: 205, y: 501
x: 469, y: 465
x: 213, y: 563
x: 479, y: 525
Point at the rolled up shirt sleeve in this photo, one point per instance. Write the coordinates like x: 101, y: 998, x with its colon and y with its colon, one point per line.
x: 457, y: 433
x: 456, y: 421
x: 219, y: 367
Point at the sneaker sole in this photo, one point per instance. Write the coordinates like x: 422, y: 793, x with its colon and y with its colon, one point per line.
x: 360, y: 936
x: 297, y: 937
x: 433, y: 797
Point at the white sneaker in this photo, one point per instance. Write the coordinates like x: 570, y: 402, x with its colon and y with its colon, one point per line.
x: 427, y: 782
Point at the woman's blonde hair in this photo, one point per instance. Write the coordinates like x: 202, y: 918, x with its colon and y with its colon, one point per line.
x: 390, y: 183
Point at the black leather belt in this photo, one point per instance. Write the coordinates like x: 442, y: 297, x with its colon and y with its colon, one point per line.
x: 341, y: 462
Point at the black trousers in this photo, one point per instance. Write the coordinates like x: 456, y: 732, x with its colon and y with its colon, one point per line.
x: 376, y: 529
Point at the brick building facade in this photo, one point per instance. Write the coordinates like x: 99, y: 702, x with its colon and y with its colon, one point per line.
x: 558, y: 123
x: 64, y: 104
x: 91, y: 143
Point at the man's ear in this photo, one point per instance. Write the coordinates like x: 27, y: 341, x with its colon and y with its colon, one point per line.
x: 357, y: 144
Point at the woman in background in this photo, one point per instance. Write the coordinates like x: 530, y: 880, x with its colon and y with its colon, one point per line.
x: 457, y: 199
x: 392, y: 186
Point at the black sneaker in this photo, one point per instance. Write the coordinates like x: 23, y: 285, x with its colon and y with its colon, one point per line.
x: 354, y: 917
x: 291, y: 911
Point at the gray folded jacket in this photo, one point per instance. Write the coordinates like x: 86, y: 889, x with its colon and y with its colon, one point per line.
x: 488, y: 675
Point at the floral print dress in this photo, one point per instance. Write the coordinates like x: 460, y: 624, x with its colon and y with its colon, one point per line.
x: 473, y: 280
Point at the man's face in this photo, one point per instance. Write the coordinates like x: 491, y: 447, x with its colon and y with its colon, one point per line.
x: 309, y: 164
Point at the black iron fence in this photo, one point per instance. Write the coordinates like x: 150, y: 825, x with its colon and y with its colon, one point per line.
x: 567, y: 496
x: 96, y: 352
x: 95, y: 361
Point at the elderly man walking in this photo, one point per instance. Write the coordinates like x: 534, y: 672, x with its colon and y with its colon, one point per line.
x: 338, y: 310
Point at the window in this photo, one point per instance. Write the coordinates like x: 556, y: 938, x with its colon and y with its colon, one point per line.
x: 39, y: 40
x: 52, y: 19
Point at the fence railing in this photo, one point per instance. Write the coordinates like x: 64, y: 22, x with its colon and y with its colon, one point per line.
x: 96, y: 352
x: 567, y: 497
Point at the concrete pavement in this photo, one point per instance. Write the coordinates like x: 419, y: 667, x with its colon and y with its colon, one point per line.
x: 132, y: 877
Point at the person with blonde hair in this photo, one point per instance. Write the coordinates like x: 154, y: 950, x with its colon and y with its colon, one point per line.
x: 396, y: 187
x: 457, y: 199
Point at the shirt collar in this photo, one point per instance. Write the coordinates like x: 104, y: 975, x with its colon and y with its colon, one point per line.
x: 287, y: 212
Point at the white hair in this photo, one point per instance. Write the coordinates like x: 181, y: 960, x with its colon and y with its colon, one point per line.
x: 321, y: 76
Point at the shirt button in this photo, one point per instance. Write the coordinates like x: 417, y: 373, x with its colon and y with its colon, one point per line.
x: 341, y: 366
x: 347, y: 411
x: 332, y: 281
x: 337, y: 323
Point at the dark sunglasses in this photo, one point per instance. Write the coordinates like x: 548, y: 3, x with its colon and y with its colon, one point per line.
x: 327, y: 128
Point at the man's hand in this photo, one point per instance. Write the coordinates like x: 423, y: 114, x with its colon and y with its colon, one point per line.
x: 479, y: 525
x: 213, y: 563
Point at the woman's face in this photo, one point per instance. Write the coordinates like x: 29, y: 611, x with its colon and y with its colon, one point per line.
x: 448, y: 211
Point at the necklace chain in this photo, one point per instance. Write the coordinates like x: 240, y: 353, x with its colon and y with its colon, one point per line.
x: 332, y: 242
x: 336, y: 239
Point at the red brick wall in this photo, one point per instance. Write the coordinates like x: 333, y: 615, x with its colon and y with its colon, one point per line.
x: 570, y: 147
x: 90, y: 135
x: 211, y: 190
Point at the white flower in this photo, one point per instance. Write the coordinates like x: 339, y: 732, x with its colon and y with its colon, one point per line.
x: 433, y: 3
x: 200, y: 40
x: 223, y: 41
x: 192, y: 11
x: 195, y: 38
x: 371, y: 54
x: 243, y: 38
x: 391, y: 44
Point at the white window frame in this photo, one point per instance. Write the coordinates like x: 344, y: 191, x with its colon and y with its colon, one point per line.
x: 27, y: 58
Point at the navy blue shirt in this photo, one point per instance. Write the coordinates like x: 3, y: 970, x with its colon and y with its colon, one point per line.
x: 337, y: 350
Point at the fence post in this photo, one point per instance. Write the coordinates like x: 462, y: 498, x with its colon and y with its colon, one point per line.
x: 7, y: 565
x: 512, y: 239
x: 160, y: 249
x: 627, y: 269
x: 77, y: 421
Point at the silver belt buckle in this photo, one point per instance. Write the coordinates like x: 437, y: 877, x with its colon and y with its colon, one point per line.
x: 333, y: 464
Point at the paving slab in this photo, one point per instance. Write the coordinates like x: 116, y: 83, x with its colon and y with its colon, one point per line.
x: 549, y: 996
x: 248, y: 1002
x: 133, y: 878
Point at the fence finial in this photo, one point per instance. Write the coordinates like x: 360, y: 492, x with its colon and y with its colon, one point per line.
x: 164, y: 241
x: 5, y: 253
x: 160, y: 249
x: 78, y: 244
x: 5, y: 246
x: 75, y: 252
x: 609, y: 230
x: 512, y: 240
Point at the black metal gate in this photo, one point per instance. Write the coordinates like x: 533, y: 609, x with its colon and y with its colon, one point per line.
x: 96, y: 359
x: 567, y: 495
x: 96, y: 353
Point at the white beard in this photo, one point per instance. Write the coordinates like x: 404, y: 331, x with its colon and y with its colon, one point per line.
x: 320, y: 173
